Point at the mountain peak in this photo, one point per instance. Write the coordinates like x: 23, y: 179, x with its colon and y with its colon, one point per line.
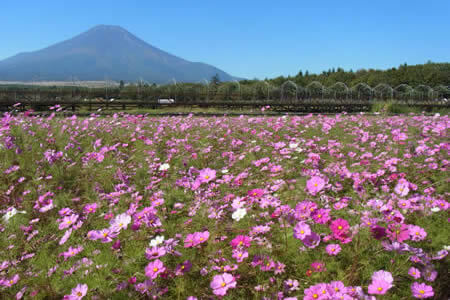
x: 105, y: 51
x: 107, y: 27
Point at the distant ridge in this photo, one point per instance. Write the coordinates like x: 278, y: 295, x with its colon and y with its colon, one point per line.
x: 105, y: 51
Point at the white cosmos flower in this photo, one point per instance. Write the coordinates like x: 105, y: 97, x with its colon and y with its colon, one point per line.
x: 239, y: 214
x: 293, y: 145
x: 121, y: 221
x: 157, y: 240
x: 164, y: 167
x: 224, y: 171
x: 11, y: 213
x: 435, y: 209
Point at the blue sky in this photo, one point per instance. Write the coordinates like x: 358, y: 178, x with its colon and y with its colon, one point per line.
x: 249, y: 38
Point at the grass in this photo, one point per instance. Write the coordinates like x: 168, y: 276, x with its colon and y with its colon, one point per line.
x: 128, y: 180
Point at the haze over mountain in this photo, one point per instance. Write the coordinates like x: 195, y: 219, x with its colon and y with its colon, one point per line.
x: 105, y: 52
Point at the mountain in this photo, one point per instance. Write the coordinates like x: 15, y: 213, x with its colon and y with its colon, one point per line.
x: 105, y: 52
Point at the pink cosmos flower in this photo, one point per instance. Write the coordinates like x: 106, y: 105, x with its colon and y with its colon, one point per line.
x: 317, y: 292
x: 189, y: 240
x: 68, y: 221
x: 241, y: 241
x: 402, y: 187
x: 415, y: 273
x: 90, y: 208
x: 301, y: 230
x: 315, y: 185
x: 78, y: 292
x: 383, y: 275
x: 10, y: 282
x: 200, y: 237
x: 221, y: 283
x: 379, y: 287
x: 155, y: 252
x: 336, y: 287
x: 71, y: 252
x: 154, y: 268
x: 417, y: 233
x: 239, y: 255
x: 206, y: 175
x: 107, y: 235
x: 333, y: 249
x: 421, y: 290
x: 66, y: 236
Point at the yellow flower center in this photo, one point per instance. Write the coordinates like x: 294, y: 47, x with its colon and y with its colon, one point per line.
x: 315, y: 296
x: 79, y: 294
x: 69, y: 222
x: 11, y: 281
x: 380, y: 289
x: 315, y: 184
x: 105, y: 234
x: 240, y: 243
x: 240, y: 255
x: 206, y: 177
x: 332, y: 249
x: 201, y: 239
x: 155, y: 269
x: 339, y: 227
x: 319, y: 216
x: 254, y: 194
x: 417, y: 233
x: 302, y: 231
x: 182, y: 267
x: 223, y: 284
x: 422, y: 291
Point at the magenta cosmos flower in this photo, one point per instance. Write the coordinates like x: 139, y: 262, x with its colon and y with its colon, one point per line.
x: 221, y: 283
x: 421, y: 290
x: 241, y: 241
x: 154, y: 268
x: 257, y: 193
x: 78, y: 292
x: 339, y: 227
x: 206, y: 175
x: 315, y: 185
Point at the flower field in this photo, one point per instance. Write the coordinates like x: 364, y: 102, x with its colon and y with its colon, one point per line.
x: 310, y: 207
